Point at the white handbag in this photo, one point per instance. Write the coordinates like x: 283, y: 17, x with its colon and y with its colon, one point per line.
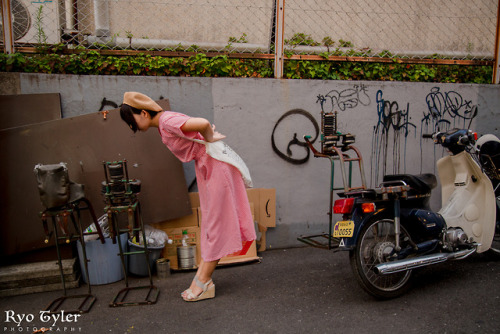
x: 222, y: 152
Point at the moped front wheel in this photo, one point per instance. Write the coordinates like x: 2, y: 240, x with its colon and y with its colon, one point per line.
x: 375, y: 245
x: 494, y: 251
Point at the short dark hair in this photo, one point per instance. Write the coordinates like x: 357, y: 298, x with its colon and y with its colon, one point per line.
x: 127, y: 114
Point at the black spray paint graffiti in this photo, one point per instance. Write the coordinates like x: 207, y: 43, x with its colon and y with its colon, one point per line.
x: 295, y: 141
x: 393, y: 123
x: 447, y: 110
x: 333, y: 100
x: 346, y: 99
x: 105, y: 102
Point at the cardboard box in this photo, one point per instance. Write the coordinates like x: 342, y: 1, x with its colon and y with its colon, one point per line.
x: 265, y: 205
x: 247, y: 253
x: 186, y: 221
x: 194, y: 198
x: 170, y: 250
x: 265, y: 211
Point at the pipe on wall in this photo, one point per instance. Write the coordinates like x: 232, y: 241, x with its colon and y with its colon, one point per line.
x: 101, y: 18
x: 146, y: 43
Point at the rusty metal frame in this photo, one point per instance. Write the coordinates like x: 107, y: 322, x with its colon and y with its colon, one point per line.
x: 55, y: 215
x: 130, y: 205
x: 115, y: 230
x: 338, y: 154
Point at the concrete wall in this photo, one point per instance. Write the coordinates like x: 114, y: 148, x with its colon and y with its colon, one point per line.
x: 387, y: 118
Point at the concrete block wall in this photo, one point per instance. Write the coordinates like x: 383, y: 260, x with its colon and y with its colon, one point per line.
x: 387, y: 119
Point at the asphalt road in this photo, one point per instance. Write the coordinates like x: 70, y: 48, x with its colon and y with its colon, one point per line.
x: 298, y: 290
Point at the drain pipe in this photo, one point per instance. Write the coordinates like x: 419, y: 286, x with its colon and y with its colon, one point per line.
x: 496, y: 65
x: 8, y: 32
x: 69, y: 15
x: 148, y: 43
x: 101, y: 17
x: 279, y: 39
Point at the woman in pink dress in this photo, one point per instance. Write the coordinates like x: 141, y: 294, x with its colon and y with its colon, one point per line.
x: 225, y: 211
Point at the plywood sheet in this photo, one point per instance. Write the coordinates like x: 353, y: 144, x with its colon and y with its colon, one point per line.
x: 83, y: 142
x: 19, y: 110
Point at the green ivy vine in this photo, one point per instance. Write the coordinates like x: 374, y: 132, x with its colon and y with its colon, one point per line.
x: 90, y: 62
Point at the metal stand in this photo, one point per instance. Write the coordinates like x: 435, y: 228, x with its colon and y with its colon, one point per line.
x: 327, y: 241
x: 59, y: 217
x: 121, y: 197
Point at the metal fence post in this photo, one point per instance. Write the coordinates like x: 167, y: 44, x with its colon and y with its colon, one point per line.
x: 8, y: 32
x: 496, y: 69
x: 278, y: 44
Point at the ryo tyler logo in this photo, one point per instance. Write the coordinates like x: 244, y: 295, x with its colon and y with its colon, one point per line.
x: 13, y: 322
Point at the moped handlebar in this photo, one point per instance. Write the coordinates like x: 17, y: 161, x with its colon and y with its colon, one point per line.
x: 455, y: 140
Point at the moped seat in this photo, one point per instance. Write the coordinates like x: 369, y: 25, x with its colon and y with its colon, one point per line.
x: 421, y: 184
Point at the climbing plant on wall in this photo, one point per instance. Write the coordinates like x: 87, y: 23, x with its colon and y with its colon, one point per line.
x: 90, y: 62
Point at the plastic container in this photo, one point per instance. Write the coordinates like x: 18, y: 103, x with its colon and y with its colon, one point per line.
x: 137, y: 262
x: 105, y: 265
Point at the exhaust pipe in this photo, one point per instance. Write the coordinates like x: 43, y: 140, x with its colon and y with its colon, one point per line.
x: 421, y: 261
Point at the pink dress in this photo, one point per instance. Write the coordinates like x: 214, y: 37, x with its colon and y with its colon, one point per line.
x: 226, y: 218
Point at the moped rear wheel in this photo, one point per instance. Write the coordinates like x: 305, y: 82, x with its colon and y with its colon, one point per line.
x: 376, y: 243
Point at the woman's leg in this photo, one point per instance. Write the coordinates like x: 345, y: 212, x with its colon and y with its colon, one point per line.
x: 204, y: 274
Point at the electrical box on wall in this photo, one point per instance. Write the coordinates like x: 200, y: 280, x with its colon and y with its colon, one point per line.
x: 37, y: 22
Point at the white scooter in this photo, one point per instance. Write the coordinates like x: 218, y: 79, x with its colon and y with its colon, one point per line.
x: 391, y: 230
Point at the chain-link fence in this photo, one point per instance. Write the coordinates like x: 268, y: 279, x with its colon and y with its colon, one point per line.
x: 454, y: 29
x: 457, y: 29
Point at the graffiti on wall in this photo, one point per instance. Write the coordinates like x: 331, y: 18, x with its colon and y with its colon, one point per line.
x: 447, y: 110
x: 397, y: 124
x: 443, y: 111
x: 389, y: 135
x: 288, y: 156
x: 334, y: 100
x: 346, y: 99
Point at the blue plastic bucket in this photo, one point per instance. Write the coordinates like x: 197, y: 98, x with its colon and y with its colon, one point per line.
x: 137, y: 262
x: 105, y: 265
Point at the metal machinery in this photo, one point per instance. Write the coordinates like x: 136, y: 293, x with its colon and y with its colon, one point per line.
x: 120, y: 194
x: 335, y: 146
x: 63, y: 199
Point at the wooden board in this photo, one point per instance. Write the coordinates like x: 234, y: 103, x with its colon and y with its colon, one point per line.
x: 19, y: 110
x: 83, y: 142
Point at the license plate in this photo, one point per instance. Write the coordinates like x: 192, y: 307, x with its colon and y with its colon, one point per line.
x: 343, y: 229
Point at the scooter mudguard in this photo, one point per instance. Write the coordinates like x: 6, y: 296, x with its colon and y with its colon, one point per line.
x: 360, y: 219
